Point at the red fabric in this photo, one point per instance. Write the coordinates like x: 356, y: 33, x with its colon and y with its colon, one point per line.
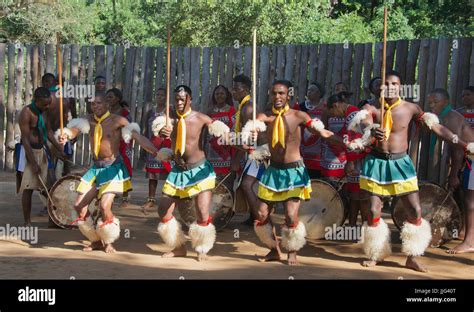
x: 311, y: 159
x: 375, y: 222
x: 225, y: 153
x: 164, y: 220
x: 124, y: 146
x: 159, y: 143
x: 205, y: 223
x: 352, y: 187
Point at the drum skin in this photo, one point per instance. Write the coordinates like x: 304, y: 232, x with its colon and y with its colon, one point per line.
x: 326, y: 208
x: 64, y: 195
x: 445, y: 219
x: 221, y: 208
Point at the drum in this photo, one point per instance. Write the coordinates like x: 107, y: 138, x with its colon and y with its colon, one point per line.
x: 326, y: 208
x: 221, y: 207
x: 438, y: 207
x: 63, y: 193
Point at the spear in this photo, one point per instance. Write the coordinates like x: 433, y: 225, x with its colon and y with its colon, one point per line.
x: 168, y: 61
x: 60, y: 76
x: 254, y: 77
x: 384, y: 61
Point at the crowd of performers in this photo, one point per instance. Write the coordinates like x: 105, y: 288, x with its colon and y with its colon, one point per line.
x: 288, y: 145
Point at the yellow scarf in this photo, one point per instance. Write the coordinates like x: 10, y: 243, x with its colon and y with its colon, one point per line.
x: 387, y: 120
x: 181, y: 134
x: 98, y: 133
x: 237, y: 118
x: 278, y: 135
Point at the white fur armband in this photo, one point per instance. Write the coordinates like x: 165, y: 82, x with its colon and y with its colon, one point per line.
x: 262, y: 152
x: 316, y: 124
x: 158, y: 124
x: 127, y: 131
x: 430, y: 119
x: 355, y: 124
x: 259, y: 126
x: 81, y: 124
x: 364, y: 141
x: 66, y: 131
x: 164, y: 154
x: 470, y: 148
x: 217, y: 128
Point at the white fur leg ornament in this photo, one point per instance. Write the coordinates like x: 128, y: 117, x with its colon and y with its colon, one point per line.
x: 81, y: 124
x: 202, y: 237
x: 127, y: 131
x: 108, y: 232
x: 217, y: 128
x: 376, y: 241
x: 265, y: 234
x: 430, y: 119
x: 171, y: 233
x: 293, y: 239
x: 164, y: 154
x: 356, y: 122
x: 415, y: 238
x: 158, y: 124
x: 262, y: 152
x: 87, y: 229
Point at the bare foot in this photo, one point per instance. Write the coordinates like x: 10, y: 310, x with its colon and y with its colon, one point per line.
x: 177, y: 252
x: 124, y: 204
x: 94, y: 246
x: 109, y: 248
x: 464, y: 247
x: 150, y: 204
x: 273, y: 255
x: 369, y: 263
x: 413, y: 264
x: 292, y: 258
x: 202, y: 257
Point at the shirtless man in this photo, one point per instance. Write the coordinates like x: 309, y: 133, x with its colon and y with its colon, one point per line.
x: 286, y: 180
x: 33, y: 159
x: 438, y: 100
x: 108, y: 176
x: 388, y: 171
x: 252, y: 171
x: 191, y: 177
x: 69, y: 111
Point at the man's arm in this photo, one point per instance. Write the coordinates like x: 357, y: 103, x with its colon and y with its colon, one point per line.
x: 24, y: 124
x: 53, y: 140
x: 432, y: 122
x: 317, y: 127
x: 141, y: 140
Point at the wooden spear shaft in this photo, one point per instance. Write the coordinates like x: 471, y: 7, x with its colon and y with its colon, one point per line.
x: 384, y: 62
x: 168, y: 62
x: 254, y: 77
x: 60, y: 76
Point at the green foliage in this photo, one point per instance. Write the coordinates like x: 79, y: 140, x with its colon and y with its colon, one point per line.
x: 229, y: 22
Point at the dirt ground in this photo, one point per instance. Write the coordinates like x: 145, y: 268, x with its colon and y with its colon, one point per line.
x: 58, y: 253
